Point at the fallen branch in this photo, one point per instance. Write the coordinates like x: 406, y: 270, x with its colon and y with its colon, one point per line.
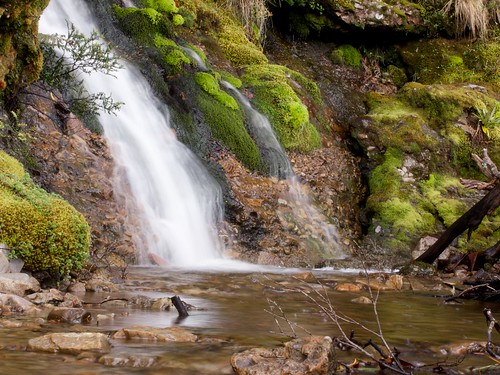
x: 180, y: 306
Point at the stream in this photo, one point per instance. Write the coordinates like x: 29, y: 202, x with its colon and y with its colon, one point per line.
x: 231, y: 308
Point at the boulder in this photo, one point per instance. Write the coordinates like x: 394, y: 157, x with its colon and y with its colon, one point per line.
x: 177, y: 334
x: 304, y: 356
x: 18, y: 283
x: 71, y: 342
x: 14, y: 303
x: 54, y: 297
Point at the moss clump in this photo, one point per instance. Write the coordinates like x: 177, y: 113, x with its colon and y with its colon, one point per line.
x: 42, y: 229
x: 20, y: 55
x: 399, y: 125
x: 210, y: 85
x: 394, y: 205
x: 172, y: 55
x: 437, y: 190
x: 447, y: 61
x: 397, y: 75
x: 275, y: 91
x: 227, y: 124
x: 346, y: 55
x: 236, y: 46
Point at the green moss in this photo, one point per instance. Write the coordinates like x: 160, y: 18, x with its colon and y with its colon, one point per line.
x: 275, y: 95
x: 448, y: 61
x: 41, y: 228
x: 384, y: 181
x: 397, y: 75
x: 227, y: 124
x: 178, y: 20
x: 405, y: 220
x: 236, y: 46
x: 167, y: 6
x: 210, y: 85
x: 346, y: 55
x: 235, y: 81
x: 437, y: 190
x: 137, y: 23
x: 399, y: 125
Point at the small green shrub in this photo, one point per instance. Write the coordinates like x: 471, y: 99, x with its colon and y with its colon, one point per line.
x: 42, y: 229
x: 346, y: 55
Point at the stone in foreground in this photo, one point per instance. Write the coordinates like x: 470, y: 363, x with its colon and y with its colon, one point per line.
x: 71, y: 342
x: 305, y: 356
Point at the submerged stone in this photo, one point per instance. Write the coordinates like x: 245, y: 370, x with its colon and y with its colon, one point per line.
x: 177, y: 334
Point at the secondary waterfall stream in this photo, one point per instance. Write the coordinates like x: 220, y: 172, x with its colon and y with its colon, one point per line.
x: 305, y: 214
x: 178, y: 205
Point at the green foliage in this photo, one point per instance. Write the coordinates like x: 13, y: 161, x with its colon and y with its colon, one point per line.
x: 41, y: 228
x: 210, y: 85
x: 346, y: 55
x: 66, y: 58
x: 489, y: 119
x: 227, y: 125
x: 275, y: 95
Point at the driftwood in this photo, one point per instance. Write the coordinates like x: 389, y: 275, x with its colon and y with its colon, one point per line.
x: 180, y: 306
x: 470, y: 220
x: 473, y: 217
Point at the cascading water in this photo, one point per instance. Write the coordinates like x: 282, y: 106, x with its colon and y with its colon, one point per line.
x: 178, y: 202
x: 305, y: 214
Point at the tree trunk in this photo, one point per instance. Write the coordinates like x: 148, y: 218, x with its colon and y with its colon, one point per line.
x: 470, y: 220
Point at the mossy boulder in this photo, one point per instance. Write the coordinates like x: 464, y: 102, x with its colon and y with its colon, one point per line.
x: 453, y: 61
x: 277, y: 93
x: 20, y: 54
x: 226, y: 120
x: 419, y: 141
x: 346, y: 55
x: 42, y: 229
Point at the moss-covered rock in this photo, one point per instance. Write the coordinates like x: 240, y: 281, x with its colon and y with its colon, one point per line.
x: 227, y: 124
x: 346, y: 55
x: 42, y: 229
x: 276, y: 92
x: 20, y: 54
x: 453, y: 61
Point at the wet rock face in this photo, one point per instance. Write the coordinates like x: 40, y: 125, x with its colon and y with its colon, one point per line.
x: 73, y: 162
x: 398, y: 16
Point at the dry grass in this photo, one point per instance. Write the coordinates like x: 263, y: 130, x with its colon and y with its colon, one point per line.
x: 473, y: 17
x: 253, y: 15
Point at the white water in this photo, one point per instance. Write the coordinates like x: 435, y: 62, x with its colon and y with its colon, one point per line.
x: 305, y: 214
x: 177, y: 203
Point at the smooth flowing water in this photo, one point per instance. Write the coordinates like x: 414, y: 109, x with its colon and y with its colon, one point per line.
x: 230, y: 309
x: 177, y: 205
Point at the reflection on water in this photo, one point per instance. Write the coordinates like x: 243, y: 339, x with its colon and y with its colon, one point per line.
x: 232, y: 306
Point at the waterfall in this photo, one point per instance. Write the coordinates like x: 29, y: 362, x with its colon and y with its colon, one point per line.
x: 178, y: 203
x: 305, y: 214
